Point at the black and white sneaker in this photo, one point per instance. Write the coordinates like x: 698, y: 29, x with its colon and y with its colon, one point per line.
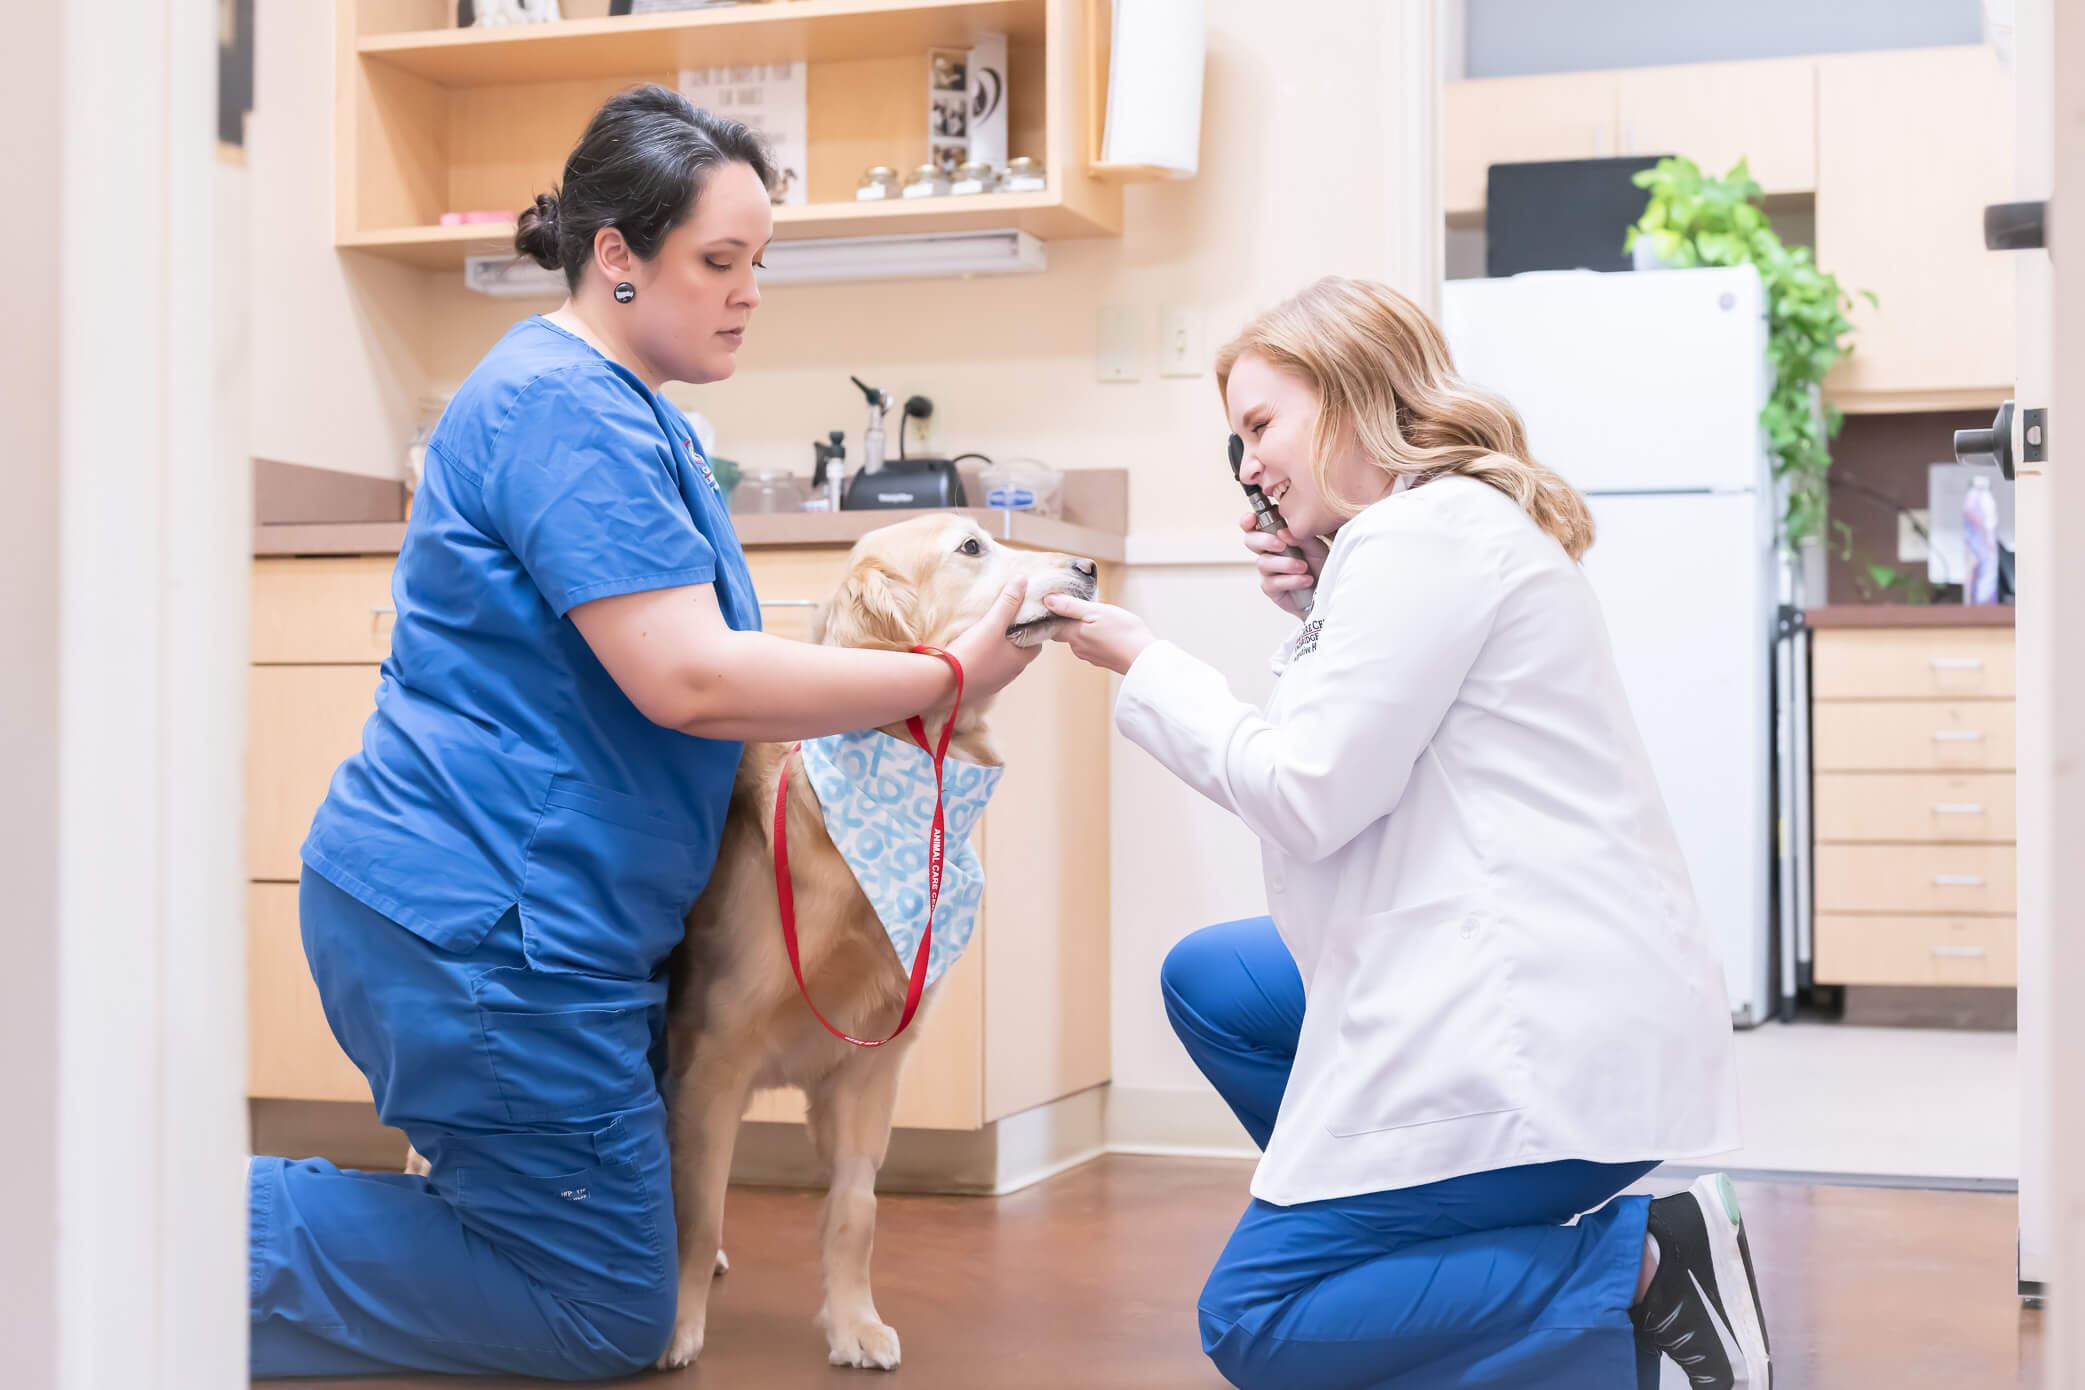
x: 1702, y: 1306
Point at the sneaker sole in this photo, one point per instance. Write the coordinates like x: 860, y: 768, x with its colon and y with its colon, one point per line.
x: 1733, y: 1266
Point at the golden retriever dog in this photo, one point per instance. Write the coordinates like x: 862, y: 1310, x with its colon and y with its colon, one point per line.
x: 736, y: 1023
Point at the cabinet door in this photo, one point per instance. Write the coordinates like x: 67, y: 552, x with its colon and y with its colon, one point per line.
x: 1515, y: 120
x: 291, y: 1054
x: 302, y: 721
x: 1718, y: 113
x: 1910, y: 147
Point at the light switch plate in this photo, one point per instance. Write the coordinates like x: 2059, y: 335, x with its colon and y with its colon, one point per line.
x: 1911, y: 544
x: 1181, y: 345
x: 1121, y: 343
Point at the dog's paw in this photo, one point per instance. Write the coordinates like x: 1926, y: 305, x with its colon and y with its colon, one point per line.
x: 862, y: 1342
x: 723, y: 1263
x: 685, y: 1346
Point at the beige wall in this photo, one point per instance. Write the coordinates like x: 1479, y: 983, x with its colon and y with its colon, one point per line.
x: 1292, y: 186
x: 336, y: 340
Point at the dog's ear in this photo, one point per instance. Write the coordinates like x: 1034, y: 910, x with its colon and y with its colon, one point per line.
x: 873, y: 607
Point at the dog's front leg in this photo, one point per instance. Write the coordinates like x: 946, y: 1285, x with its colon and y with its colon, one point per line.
x: 705, y: 1127
x: 850, y: 1120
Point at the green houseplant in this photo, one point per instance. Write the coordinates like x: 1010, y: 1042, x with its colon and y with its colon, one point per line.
x: 1696, y: 220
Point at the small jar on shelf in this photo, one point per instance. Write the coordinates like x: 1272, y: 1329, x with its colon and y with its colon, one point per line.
x: 1024, y: 175
x: 877, y: 184
x: 928, y: 181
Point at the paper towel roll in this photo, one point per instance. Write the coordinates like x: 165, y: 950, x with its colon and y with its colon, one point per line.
x: 1155, y: 86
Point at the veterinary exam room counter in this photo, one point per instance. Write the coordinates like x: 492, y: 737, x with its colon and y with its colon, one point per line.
x: 1005, y: 1084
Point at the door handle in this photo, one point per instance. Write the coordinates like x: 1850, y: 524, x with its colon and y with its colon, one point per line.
x: 789, y: 603
x: 1957, y: 808
x: 1958, y: 950
x: 376, y: 612
x: 1958, y: 880
x: 1991, y: 448
x: 1957, y: 735
x: 2016, y: 226
x: 1958, y: 663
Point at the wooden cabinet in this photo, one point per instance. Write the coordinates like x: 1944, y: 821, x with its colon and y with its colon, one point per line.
x: 1021, y: 1020
x: 1515, y: 120
x: 1715, y: 114
x: 1914, y: 806
x: 1911, y: 146
x: 1901, y: 149
x: 1712, y: 113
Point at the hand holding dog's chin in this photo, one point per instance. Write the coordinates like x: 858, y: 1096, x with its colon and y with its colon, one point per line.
x: 1100, y: 634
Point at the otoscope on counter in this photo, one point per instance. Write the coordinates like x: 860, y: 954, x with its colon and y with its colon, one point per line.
x: 1267, y: 517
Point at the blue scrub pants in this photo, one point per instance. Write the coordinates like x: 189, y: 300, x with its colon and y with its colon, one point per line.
x: 543, y: 1241
x: 1475, y: 1281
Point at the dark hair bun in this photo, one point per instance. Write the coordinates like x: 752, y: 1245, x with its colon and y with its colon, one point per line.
x: 536, y: 231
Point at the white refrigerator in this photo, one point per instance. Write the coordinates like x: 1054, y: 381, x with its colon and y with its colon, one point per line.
x: 1644, y: 391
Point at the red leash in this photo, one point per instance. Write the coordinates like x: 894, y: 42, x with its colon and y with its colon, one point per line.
x: 785, y: 897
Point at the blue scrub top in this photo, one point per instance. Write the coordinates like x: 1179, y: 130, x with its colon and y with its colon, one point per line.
x: 503, y: 765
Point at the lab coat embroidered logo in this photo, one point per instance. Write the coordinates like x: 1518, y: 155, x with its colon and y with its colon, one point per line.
x: 1307, y: 640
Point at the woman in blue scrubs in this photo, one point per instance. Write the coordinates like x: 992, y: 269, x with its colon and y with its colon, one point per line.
x: 495, y: 880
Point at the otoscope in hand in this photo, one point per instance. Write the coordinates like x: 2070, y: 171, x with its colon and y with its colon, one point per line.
x: 1267, y: 517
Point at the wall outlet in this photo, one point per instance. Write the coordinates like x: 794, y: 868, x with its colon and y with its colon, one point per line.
x: 1121, y: 343
x: 1182, y: 347
x: 1911, y: 545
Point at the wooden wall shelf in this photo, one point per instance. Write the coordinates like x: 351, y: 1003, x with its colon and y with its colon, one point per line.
x: 1041, y: 215
x: 782, y: 31
x: 436, y: 120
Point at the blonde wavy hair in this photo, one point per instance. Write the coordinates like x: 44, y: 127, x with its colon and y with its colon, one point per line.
x: 1383, y: 376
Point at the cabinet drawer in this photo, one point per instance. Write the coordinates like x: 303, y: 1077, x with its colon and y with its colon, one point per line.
x: 1916, y: 806
x: 301, y: 722
x: 290, y: 1050
x: 332, y: 609
x: 1916, y: 950
x: 1912, y: 736
x: 1915, y: 878
x: 1913, y: 664
x: 790, y: 581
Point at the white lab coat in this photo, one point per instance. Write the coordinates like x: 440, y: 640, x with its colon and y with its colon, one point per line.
x: 1467, y: 854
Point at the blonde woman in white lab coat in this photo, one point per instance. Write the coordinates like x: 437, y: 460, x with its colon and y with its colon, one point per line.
x: 1484, y: 1004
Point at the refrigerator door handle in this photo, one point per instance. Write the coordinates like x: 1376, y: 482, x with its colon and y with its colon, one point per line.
x: 1958, y: 880
x: 1958, y: 808
x: 1958, y: 950
x: 1957, y: 735
x: 1958, y: 663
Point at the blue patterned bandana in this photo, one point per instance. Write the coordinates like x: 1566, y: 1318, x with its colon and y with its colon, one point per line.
x: 877, y: 796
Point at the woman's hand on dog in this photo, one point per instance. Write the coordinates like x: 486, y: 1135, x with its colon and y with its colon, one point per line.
x: 1100, y: 634
x: 1280, y: 574
x: 990, y: 661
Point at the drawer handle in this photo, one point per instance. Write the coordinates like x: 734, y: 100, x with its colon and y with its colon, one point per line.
x: 380, y: 612
x: 1958, y: 880
x: 1958, y: 663
x: 1957, y: 808
x: 789, y: 603
x: 1958, y: 950
x: 1957, y: 735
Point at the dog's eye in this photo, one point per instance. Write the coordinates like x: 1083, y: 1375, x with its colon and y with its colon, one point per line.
x: 970, y: 547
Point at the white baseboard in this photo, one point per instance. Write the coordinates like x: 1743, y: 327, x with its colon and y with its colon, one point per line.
x: 1174, y: 1124
x: 1005, y: 1156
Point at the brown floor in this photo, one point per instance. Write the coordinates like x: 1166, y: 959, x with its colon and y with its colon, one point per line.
x: 1088, y: 1281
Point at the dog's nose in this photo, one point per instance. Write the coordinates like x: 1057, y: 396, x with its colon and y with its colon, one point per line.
x: 1085, y: 567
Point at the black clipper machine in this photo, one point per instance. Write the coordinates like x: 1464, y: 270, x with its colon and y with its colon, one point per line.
x: 1267, y: 517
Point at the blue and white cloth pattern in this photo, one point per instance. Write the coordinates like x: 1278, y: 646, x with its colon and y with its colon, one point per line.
x: 877, y: 796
